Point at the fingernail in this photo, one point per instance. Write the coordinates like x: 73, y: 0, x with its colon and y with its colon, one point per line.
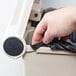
x: 45, y: 41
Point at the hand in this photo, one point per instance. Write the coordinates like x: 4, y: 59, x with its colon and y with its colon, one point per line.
x: 59, y: 23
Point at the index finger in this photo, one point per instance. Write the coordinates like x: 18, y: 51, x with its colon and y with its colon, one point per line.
x: 39, y: 32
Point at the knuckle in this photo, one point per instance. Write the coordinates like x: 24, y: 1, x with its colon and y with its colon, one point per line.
x: 46, y: 14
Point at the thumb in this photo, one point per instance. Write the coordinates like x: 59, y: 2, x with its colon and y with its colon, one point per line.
x: 48, y: 37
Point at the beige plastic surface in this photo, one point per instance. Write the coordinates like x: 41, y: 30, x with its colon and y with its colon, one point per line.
x: 50, y: 65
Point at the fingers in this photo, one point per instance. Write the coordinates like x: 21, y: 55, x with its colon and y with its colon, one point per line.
x: 42, y: 33
x: 39, y: 32
x: 48, y: 37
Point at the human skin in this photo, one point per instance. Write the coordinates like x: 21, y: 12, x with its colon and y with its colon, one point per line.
x: 59, y: 23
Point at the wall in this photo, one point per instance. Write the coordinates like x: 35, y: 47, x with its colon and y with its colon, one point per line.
x: 57, y: 3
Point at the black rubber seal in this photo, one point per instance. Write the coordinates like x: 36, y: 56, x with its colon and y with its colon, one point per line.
x: 56, y: 45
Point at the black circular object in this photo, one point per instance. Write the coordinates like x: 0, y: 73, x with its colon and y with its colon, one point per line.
x: 13, y: 46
